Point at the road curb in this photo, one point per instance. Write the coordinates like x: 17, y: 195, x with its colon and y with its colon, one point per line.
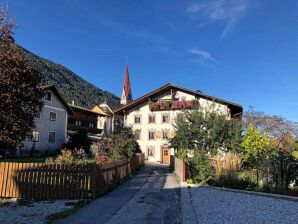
x: 188, y: 213
x: 268, y: 195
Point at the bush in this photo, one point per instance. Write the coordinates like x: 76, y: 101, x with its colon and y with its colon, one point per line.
x: 79, y: 140
x: 199, y: 169
x: 69, y: 157
x: 235, y: 182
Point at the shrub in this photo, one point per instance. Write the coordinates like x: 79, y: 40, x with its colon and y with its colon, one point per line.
x: 199, y: 169
x: 79, y: 140
x: 235, y: 183
x: 69, y: 157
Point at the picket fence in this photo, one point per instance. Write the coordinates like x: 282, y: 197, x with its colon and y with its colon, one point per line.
x: 53, y: 181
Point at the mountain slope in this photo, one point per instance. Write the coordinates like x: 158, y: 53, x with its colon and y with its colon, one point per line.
x: 69, y: 84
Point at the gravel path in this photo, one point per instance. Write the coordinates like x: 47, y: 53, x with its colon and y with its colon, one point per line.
x: 217, y: 206
x: 30, y: 212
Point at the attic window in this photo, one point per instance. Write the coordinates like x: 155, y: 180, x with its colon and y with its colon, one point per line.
x: 48, y: 96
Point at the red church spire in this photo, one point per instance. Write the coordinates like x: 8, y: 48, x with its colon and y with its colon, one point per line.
x: 126, y: 93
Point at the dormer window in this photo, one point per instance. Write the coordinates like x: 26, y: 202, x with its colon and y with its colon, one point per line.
x: 48, y: 96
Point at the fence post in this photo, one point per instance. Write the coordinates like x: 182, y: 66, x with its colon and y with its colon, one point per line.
x: 93, y: 181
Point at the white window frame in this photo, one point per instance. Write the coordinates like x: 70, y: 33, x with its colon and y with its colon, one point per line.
x: 163, y: 114
x: 151, y: 115
x: 151, y: 139
x: 34, y: 136
x: 49, y: 137
x: 137, y: 115
x: 51, y: 96
x: 52, y: 112
x: 151, y: 148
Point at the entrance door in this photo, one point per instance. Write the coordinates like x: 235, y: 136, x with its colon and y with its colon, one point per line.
x: 165, y: 155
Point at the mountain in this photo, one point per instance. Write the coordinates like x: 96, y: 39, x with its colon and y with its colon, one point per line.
x: 70, y: 85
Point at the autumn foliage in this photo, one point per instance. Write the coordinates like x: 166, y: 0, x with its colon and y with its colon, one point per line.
x: 20, y: 95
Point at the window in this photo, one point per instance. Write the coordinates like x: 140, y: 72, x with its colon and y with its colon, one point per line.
x: 53, y: 116
x: 151, y: 119
x: 48, y: 96
x: 91, y: 125
x: 137, y: 119
x: 165, y: 134
x: 138, y: 134
x: 78, y: 123
x: 51, y: 137
x: 151, y: 135
x: 180, y: 117
x: 151, y: 151
x: 37, y: 115
x: 35, y: 136
x: 165, y: 118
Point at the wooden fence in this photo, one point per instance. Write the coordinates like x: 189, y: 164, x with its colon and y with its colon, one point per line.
x: 52, y: 181
x: 180, y: 169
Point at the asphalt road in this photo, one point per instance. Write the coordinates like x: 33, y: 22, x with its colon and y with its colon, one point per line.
x: 151, y: 196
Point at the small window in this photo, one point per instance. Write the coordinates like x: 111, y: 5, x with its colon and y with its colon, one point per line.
x: 138, y: 134
x: 91, y: 125
x: 35, y: 136
x: 137, y: 119
x: 180, y: 117
x: 165, y: 118
x: 151, y: 151
x: 52, y: 137
x: 78, y: 123
x: 151, y: 119
x: 53, y: 116
x: 48, y: 96
x: 37, y: 115
x: 165, y: 135
x: 151, y: 135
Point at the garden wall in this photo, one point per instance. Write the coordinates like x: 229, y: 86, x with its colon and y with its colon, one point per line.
x: 179, y: 168
x: 53, y: 181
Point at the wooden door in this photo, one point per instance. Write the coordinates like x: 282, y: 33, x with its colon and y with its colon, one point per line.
x: 165, y: 155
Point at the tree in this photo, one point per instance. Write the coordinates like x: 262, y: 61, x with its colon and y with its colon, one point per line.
x: 256, y: 148
x: 207, y: 132
x: 20, y: 94
x: 79, y: 140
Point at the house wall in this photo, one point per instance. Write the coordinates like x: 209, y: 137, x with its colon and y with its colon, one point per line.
x: 144, y: 127
x: 44, y: 125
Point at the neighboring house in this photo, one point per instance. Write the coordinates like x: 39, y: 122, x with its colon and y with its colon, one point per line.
x: 87, y: 119
x: 51, y: 126
x: 153, y: 115
x: 106, y: 122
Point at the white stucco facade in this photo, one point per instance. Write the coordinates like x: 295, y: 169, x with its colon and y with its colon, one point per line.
x: 51, y: 127
x: 144, y: 126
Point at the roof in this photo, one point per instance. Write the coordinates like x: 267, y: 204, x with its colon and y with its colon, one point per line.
x: 126, y: 86
x: 74, y: 107
x: 54, y: 90
x: 112, y: 105
x: 237, y: 107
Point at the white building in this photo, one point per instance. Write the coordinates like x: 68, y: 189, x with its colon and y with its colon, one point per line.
x: 154, y: 114
x: 51, y: 125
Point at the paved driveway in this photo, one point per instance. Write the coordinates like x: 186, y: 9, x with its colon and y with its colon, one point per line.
x: 151, y: 196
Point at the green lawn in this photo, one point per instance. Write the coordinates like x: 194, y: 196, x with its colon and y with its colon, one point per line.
x: 26, y: 159
x: 39, y: 160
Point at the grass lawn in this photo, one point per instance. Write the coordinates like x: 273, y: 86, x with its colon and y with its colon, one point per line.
x: 26, y: 159
x: 40, y: 159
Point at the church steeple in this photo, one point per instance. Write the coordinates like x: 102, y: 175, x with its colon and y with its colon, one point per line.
x: 126, y: 92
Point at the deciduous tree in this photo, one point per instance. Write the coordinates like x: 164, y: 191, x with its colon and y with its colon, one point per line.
x: 20, y: 95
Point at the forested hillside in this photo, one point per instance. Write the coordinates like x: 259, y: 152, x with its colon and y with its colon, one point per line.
x: 69, y: 84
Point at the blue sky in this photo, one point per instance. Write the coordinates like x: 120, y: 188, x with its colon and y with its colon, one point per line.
x: 245, y: 51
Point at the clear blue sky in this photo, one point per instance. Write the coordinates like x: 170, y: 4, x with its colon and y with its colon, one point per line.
x: 240, y: 50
